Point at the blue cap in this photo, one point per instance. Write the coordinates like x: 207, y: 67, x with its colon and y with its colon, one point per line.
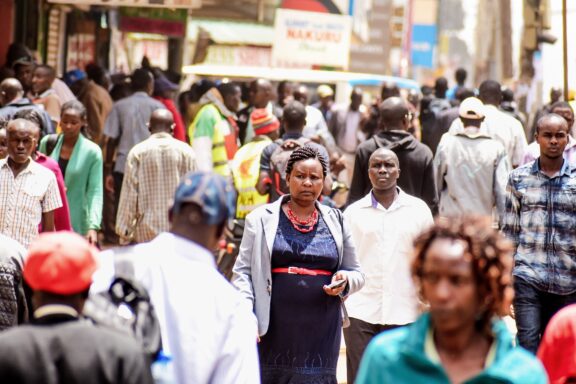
x: 162, y: 84
x: 73, y: 76
x: 212, y: 192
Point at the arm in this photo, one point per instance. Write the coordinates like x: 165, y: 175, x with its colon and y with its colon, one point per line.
x: 350, y: 266
x: 501, y: 172
x: 358, y: 184
x: 128, y: 203
x: 242, y: 270
x: 263, y: 184
x: 440, y: 167
x: 48, y: 221
x: 520, y: 144
x: 94, y: 196
x: 510, y: 220
x: 429, y: 191
x: 50, y: 202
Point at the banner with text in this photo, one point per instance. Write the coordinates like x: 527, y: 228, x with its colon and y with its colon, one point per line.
x: 310, y: 39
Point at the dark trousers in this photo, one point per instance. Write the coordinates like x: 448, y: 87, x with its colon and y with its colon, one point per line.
x: 533, y: 309
x: 357, y: 336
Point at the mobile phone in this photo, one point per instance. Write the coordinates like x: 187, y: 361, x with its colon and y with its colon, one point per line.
x: 337, y: 284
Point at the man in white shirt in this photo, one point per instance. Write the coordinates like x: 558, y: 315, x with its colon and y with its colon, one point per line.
x: 383, y: 224
x: 500, y: 125
x: 205, y: 325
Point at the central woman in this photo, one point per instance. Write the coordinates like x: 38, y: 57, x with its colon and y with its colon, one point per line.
x: 291, y: 251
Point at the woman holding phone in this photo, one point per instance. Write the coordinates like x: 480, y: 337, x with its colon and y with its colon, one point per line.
x: 295, y: 265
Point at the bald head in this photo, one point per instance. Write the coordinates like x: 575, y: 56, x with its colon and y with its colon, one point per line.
x: 301, y: 94
x: 552, y: 120
x: 385, y: 152
x: 161, y: 120
x: 10, y: 90
x: 393, y: 114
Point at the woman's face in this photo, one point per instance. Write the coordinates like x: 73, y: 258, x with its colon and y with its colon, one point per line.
x: 71, y: 122
x: 448, y: 285
x: 306, y: 180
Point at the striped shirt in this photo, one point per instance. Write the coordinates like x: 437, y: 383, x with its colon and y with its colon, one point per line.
x: 24, y: 198
x: 153, y: 170
x: 540, y: 219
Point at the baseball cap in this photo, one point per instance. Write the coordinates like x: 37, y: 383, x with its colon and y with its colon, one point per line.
x: 471, y: 108
x: 61, y: 263
x: 24, y: 60
x: 263, y: 121
x: 162, y: 84
x: 324, y: 90
x: 73, y: 76
x: 213, y: 193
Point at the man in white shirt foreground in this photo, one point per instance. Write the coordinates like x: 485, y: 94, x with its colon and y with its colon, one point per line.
x: 205, y: 326
x: 384, y: 224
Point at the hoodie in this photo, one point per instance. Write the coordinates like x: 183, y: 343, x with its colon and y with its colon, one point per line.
x: 416, y: 168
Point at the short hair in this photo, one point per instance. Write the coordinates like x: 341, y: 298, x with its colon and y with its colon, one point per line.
x: 226, y: 89
x: 141, y: 79
x: 305, y: 153
x: 507, y: 94
x: 4, y: 123
x: 561, y: 104
x: 293, y: 113
x: 29, y: 114
x: 551, y: 116
x: 76, y: 106
x: 460, y: 75
x: 490, y: 90
x: 489, y: 252
x: 464, y: 93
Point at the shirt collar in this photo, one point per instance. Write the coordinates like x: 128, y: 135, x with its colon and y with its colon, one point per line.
x: 4, y: 163
x: 187, y: 248
x: 370, y: 200
x: 292, y: 135
x: 566, y: 169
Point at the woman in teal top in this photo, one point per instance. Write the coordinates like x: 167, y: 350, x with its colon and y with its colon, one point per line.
x: 80, y: 161
x: 463, y: 269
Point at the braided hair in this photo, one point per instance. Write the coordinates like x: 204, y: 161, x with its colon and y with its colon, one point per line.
x: 305, y: 153
x: 490, y: 254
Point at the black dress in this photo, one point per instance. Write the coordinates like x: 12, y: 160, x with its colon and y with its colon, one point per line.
x: 303, y: 338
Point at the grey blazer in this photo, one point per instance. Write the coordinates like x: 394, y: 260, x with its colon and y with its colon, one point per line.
x: 253, y: 271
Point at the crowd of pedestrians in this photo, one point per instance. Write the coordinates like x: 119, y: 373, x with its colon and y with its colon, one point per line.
x: 450, y: 222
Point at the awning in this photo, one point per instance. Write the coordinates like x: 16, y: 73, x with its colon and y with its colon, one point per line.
x: 233, y: 33
x: 185, y: 4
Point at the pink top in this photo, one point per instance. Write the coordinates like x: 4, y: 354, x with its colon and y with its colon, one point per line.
x: 62, y: 214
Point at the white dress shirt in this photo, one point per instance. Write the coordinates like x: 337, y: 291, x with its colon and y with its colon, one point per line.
x: 383, y: 239
x: 205, y: 324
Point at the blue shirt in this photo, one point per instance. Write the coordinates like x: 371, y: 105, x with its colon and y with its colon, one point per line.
x: 540, y: 219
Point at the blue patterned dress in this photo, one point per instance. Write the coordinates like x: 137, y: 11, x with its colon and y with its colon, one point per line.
x: 303, y: 339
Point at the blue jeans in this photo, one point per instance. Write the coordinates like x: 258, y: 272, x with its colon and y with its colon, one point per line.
x: 534, y: 309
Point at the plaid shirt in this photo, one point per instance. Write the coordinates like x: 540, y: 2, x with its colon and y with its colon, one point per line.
x: 153, y: 170
x: 540, y: 218
x: 24, y: 198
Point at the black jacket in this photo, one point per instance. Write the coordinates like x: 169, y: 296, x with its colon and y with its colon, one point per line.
x: 13, y: 299
x: 416, y: 170
x: 59, y: 348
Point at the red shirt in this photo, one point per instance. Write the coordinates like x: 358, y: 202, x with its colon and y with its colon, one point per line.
x: 62, y: 214
x: 179, y: 129
x: 558, y: 346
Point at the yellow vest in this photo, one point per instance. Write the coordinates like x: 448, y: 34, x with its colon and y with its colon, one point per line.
x: 245, y: 171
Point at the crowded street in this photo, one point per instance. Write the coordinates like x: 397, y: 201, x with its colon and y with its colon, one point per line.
x: 287, y: 191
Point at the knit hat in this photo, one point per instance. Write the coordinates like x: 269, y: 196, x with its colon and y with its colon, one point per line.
x: 264, y: 121
x: 211, y: 192
x: 61, y: 263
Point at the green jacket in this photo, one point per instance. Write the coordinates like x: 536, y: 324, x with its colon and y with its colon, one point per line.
x: 84, y: 184
x: 398, y: 357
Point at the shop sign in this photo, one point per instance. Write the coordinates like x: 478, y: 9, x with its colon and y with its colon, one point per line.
x: 423, y: 45
x: 167, y: 22
x: 238, y: 55
x: 311, y: 39
x: 188, y: 4
x: 81, y: 49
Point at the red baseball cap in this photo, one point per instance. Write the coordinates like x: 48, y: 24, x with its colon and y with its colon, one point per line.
x: 61, y: 263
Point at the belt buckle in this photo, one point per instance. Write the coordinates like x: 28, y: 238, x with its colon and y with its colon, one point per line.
x: 293, y: 270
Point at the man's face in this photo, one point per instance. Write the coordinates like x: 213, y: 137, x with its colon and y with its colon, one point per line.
x: 383, y: 171
x: 3, y: 144
x: 21, y: 142
x: 261, y: 96
x: 232, y: 101
x: 552, y: 136
x: 23, y: 73
x: 41, y: 80
x: 3, y: 98
x: 355, y: 101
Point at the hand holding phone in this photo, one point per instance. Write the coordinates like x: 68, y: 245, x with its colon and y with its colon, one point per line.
x: 336, y: 284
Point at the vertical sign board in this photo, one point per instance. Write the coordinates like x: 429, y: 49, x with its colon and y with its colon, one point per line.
x: 307, y: 39
x: 424, y: 38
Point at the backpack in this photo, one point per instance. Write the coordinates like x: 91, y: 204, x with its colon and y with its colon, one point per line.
x: 51, y: 140
x: 126, y: 308
x: 278, y: 163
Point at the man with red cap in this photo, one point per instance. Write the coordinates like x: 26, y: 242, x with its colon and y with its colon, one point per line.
x: 57, y: 347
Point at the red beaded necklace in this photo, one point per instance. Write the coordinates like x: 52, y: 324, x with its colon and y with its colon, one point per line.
x: 304, y: 226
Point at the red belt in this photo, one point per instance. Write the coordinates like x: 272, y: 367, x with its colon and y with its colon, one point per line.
x: 302, y: 271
